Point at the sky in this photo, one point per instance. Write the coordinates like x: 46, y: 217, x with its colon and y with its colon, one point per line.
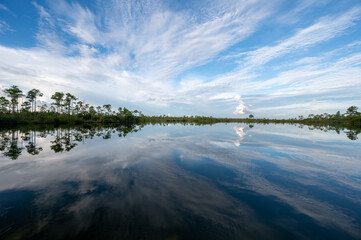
x: 218, y: 58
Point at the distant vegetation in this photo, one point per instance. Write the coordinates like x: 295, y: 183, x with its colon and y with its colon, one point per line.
x: 20, y: 108
x: 21, y: 119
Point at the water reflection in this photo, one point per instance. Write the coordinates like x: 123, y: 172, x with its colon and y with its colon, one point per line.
x: 64, y: 139
x: 181, y: 182
x: 241, y: 133
x: 350, y: 132
x: 9, y: 144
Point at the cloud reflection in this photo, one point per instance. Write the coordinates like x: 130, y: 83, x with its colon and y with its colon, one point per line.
x: 184, y: 184
x: 241, y: 133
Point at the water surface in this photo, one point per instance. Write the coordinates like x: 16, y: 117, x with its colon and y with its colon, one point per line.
x: 225, y: 181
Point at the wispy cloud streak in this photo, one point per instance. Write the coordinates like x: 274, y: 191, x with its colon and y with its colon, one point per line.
x: 136, y: 52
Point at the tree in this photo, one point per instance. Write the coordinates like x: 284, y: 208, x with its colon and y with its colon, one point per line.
x: 86, y: 107
x: 14, y: 93
x: 108, y: 108
x: 58, y: 98
x: 26, y: 106
x: 127, y: 112
x: 4, y: 103
x: 136, y: 113
x: 251, y: 116
x: 352, y: 111
x: 92, y: 110
x: 99, y: 109
x: 32, y: 95
x: 68, y: 101
x: 43, y: 108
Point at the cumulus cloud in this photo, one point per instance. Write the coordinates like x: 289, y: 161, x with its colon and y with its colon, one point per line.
x: 241, y: 108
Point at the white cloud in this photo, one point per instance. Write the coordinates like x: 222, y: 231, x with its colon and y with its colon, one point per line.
x: 127, y: 52
x: 132, y: 52
x: 241, y: 108
x: 4, y: 26
x: 323, y: 30
x: 157, y: 42
x: 319, y: 74
x: 293, y: 16
x: 3, y: 7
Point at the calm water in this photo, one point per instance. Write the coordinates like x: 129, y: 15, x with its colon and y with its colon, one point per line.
x: 226, y: 181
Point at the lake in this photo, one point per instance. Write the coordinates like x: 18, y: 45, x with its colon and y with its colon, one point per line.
x: 222, y: 181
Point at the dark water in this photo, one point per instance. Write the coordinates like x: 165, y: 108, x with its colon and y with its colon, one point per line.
x: 180, y: 182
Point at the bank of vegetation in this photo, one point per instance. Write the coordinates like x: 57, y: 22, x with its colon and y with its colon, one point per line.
x: 17, y: 107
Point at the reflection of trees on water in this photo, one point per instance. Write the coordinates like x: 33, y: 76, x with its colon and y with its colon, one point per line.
x: 12, y: 147
x: 9, y: 145
x: 13, y: 152
x: 31, y: 144
x: 64, y: 140
x: 13, y: 142
x: 350, y: 133
x: 32, y: 149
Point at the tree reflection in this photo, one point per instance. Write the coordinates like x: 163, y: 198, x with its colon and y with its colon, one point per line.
x: 4, y: 141
x: 13, y: 142
x: 352, y: 134
x: 57, y: 145
x: 13, y: 151
x: 62, y: 139
x: 32, y: 149
x: 31, y: 146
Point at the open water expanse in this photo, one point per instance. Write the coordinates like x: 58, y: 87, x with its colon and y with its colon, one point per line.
x: 222, y: 181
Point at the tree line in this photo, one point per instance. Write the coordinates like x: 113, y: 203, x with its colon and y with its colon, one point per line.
x: 350, y: 119
x: 17, y: 107
x: 66, y: 108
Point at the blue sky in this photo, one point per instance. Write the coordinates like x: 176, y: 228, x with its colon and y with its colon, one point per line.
x: 221, y: 58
